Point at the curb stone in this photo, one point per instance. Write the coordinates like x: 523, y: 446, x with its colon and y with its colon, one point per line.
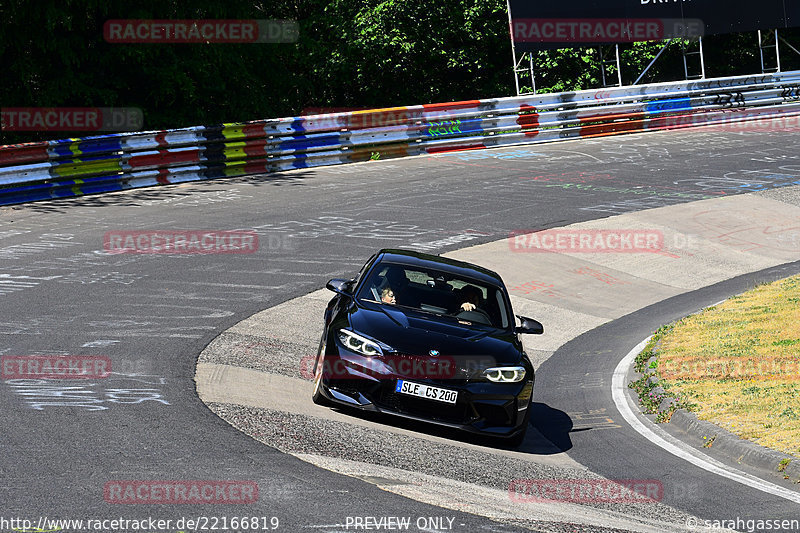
x: 704, y: 434
x: 666, y: 403
x: 733, y: 447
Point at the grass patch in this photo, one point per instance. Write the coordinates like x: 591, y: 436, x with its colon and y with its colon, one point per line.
x: 738, y: 364
x: 652, y: 394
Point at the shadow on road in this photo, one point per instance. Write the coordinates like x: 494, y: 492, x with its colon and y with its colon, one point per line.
x: 161, y: 193
x: 553, y: 425
x: 548, y: 433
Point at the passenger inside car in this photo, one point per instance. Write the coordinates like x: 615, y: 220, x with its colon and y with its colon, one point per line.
x: 434, y: 292
x: 396, y: 279
x: 387, y: 296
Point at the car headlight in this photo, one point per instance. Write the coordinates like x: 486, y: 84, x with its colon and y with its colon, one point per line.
x: 357, y: 343
x: 505, y: 374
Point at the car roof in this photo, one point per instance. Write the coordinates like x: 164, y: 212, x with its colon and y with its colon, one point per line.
x: 452, y: 266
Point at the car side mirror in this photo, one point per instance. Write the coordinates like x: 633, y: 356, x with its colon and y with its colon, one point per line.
x: 340, y: 286
x: 529, y: 325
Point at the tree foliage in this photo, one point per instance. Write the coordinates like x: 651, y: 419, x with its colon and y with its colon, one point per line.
x: 350, y: 53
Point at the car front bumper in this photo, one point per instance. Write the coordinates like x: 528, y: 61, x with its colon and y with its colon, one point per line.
x: 497, y: 409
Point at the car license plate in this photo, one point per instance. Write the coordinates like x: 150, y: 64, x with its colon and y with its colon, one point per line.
x: 426, y: 391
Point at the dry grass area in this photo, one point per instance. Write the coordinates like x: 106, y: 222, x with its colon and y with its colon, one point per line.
x: 738, y: 364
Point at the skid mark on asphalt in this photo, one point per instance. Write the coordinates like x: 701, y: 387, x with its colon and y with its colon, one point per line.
x: 10, y: 283
x: 594, y: 419
x: 116, y: 390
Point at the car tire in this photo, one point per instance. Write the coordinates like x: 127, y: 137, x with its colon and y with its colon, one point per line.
x: 317, y: 396
x: 517, y: 440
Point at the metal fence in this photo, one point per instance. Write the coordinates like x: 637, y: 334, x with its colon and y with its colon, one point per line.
x: 74, y: 167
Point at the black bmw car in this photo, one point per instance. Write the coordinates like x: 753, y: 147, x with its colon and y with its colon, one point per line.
x: 430, y: 339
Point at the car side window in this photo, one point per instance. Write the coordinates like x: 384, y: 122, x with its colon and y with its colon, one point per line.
x: 501, y: 308
x: 374, y: 285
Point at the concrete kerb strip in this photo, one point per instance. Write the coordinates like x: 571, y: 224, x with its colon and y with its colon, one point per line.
x: 705, y: 242
x: 230, y: 370
x: 735, y: 448
x: 485, y: 501
x: 627, y: 408
x: 702, y: 434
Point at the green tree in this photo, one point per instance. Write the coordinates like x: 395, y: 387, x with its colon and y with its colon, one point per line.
x: 350, y: 53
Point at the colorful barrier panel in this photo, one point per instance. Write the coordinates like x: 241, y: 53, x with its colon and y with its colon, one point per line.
x: 74, y: 167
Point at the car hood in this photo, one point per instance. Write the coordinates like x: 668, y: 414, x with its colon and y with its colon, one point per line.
x: 413, y: 333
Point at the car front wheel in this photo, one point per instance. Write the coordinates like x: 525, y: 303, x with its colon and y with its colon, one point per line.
x: 317, y: 397
x: 519, y: 438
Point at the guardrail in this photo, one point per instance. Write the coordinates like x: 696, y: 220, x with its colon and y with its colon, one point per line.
x: 105, y: 163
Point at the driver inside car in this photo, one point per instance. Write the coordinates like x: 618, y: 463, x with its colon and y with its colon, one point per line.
x: 470, y: 309
x: 471, y: 296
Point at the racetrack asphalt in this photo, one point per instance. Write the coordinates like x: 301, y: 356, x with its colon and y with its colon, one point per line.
x: 252, y: 374
x: 152, y: 314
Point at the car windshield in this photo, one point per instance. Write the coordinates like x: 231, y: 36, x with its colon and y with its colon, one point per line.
x: 441, y: 293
